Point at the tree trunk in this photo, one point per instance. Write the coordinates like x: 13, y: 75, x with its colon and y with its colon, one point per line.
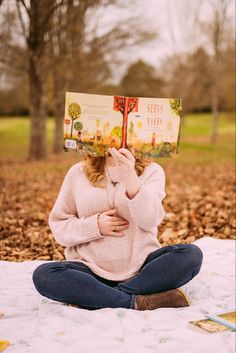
x: 215, y: 97
x: 37, y: 149
x: 182, y: 123
x: 214, y: 113
x: 59, y: 100
x: 58, y: 132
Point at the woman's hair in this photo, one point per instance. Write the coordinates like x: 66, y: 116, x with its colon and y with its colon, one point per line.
x: 94, y: 168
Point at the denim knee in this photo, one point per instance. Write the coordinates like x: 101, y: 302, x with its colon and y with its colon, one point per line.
x: 196, y: 257
x: 40, y: 275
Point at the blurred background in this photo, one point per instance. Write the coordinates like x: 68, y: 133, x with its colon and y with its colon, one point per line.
x: 154, y: 48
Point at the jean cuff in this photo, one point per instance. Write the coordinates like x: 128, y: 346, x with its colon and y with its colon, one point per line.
x: 132, y: 301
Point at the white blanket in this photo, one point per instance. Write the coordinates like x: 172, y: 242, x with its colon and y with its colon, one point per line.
x: 35, y: 324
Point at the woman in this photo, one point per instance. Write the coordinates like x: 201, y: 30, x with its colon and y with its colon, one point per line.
x: 106, y: 215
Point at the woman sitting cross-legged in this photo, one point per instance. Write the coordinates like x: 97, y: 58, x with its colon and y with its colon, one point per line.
x: 106, y: 215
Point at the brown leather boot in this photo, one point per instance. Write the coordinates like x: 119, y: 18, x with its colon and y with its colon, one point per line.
x: 173, y: 298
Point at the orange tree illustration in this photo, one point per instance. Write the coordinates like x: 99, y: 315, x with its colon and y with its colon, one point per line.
x: 74, y: 112
x: 125, y: 105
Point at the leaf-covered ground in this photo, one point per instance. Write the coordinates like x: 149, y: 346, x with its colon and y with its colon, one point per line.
x: 200, y: 201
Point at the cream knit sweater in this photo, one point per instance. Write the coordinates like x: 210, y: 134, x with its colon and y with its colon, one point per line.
x: 73, y: 221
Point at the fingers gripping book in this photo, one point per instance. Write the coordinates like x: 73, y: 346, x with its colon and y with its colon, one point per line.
x: 150, y: 127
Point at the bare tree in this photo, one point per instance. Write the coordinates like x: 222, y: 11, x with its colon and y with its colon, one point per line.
x: 82, y: 52
x: 34, y: 19
x: 215, y: 31
x: 183, y: 38
x: 197, y: 30
x: 68, y: 60
x: 217, y: 37
x: 39, y: 15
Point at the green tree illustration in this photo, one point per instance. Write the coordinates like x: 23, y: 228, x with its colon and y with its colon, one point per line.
x: 176, y: 106
x: 131, y: 130
x: 78, y: 126
x: 117, y: 131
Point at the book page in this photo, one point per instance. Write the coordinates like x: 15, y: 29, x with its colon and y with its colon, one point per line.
x: 228, y: 319
x: 230, y: 316
x: 208, y: 325
x: 153, y: 129
x: 91, y: 124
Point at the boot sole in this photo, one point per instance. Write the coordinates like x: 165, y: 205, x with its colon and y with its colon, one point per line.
x: 184, y: 295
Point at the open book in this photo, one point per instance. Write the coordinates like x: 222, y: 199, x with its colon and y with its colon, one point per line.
x: 217, y: 322
x: 148, y: 126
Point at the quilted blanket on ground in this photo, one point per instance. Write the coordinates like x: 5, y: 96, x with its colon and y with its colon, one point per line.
x: 34, y: 324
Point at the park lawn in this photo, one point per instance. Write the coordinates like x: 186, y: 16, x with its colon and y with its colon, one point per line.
x: 195, y: 143
x: 200, y: 124
x: 14, y: 137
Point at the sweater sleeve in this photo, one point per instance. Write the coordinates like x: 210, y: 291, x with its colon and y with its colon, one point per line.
x: 146, y: 207
x: 67, y: 228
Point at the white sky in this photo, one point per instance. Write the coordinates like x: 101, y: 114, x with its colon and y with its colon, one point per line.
x: 173, y: 21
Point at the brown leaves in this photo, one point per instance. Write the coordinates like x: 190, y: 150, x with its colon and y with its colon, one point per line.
x: 27, y: 195
x: 200, y: 201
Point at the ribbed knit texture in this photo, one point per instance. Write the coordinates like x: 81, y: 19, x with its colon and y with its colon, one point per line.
x: 73, y: 221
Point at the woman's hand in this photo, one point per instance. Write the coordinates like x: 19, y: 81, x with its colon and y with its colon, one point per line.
x: 124, y: 160
x: 107, y: 222
x: 125, y: 163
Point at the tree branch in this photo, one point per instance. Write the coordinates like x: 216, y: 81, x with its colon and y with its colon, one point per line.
x: 12, y: 65
x: 21, y: 20
x: 50, y: 13
x: 26, y: 8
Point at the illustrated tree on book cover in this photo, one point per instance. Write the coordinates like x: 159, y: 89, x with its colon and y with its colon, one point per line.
x: 79, y: 127
x: 74, y: 112
x: 125, y: 105
x: 176, y: 106
x: 131, y: 131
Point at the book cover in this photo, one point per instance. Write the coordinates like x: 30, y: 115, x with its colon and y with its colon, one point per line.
x: 3, y: 345
x: 217, y: 322
x: 227, y: 319
x: 148, y: 126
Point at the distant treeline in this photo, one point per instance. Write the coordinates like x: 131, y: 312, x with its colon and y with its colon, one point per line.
x: 187, y: 77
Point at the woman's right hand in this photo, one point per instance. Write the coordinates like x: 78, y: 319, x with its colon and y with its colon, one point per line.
x: 107, y: 222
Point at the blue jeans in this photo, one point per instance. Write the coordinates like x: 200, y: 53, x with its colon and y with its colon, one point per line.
x: 73, y: 282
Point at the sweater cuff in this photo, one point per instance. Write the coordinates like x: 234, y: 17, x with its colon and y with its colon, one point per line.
x: 89, y: 227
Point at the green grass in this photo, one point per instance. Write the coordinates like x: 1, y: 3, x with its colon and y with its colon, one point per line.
x: 14, y: 137
x: 200, y: 124
x: 195, y: 139
x: 195, y: 142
